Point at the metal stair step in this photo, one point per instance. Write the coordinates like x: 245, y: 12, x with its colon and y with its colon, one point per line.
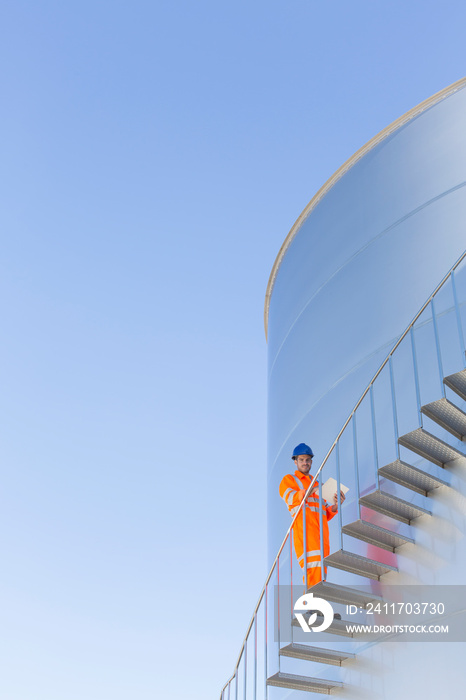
x: 374, y: 534
x: 429, y: 447
x: 411, y: 477
x: 447, y: 415
x: 337, y: 627
x: 294, y: 682
x: 347, y: 561
x: 308, y: 653
x: 393, y: 506
x: 457, y: 382
x: 344, y: 594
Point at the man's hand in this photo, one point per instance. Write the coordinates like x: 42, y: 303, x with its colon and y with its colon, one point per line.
x: 303, y: 491
x: 301, y: 495
x: 335, y: 501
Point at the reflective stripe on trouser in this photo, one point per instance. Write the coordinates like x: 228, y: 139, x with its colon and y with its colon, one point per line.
x: 314, y: 572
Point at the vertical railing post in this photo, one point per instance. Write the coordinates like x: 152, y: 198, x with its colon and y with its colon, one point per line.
x: 291, y: 568
x: 278, y: 609
x: 458, y: 320
x: 340, y: 517
x: 395, y: 414
x: 356, y: 465
x: 305, y: 546
x: 265, y: 641
x: 374, y: 437
x: 245, y: 669
x: 255, y: 657
x: 416, y: 376
x: 437, y: 345
x: 321, y: 531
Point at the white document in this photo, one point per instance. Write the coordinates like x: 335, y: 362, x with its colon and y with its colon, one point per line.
x: 329, y: 489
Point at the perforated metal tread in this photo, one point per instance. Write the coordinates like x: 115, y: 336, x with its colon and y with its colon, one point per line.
x: 457, y: 382
x: 411, y: 477
x: 308, y: 653
x: 429, y: 447
x: 447, y: 415
x: 393, y: 506
x: 344, y: 594
x: 347, y: 561
x: 368, y: 532
x: 314, y: 685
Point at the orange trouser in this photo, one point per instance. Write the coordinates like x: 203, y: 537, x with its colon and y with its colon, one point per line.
x: 314, y: 572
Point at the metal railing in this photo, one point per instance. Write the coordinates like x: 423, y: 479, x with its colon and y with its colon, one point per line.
x: 427, y: 347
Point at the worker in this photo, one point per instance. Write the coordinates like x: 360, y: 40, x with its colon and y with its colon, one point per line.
x: 292, y: 490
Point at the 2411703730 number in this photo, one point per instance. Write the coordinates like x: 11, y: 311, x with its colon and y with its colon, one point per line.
x: 405, y: 608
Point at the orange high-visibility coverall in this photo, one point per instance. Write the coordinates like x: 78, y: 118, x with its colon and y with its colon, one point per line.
x: 290, y: 486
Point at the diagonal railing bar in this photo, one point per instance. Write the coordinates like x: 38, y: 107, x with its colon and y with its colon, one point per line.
x: 330, y: 451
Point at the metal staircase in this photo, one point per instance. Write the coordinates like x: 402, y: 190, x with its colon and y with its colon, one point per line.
x: 422, y: 443
x: 392, y: 502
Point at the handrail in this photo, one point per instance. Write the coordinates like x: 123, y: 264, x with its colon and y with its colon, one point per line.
x: 324, y: 461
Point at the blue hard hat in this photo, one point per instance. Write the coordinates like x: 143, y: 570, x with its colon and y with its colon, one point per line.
x: 302, y: 449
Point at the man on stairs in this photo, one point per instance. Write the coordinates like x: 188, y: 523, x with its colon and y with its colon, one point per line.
x: 292, y: 490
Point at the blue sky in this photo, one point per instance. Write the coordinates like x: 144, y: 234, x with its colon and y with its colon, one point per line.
x: 154, y: 156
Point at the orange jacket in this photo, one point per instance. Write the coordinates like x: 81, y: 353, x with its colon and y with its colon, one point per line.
x: 290, y: 487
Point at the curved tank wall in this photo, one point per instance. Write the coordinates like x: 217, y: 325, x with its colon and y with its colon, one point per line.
x: 361, y: 260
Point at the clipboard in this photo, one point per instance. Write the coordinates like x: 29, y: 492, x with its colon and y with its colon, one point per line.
x: 329, y: 489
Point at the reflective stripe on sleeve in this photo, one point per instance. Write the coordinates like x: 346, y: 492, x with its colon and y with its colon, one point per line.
x: 287, y: 493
